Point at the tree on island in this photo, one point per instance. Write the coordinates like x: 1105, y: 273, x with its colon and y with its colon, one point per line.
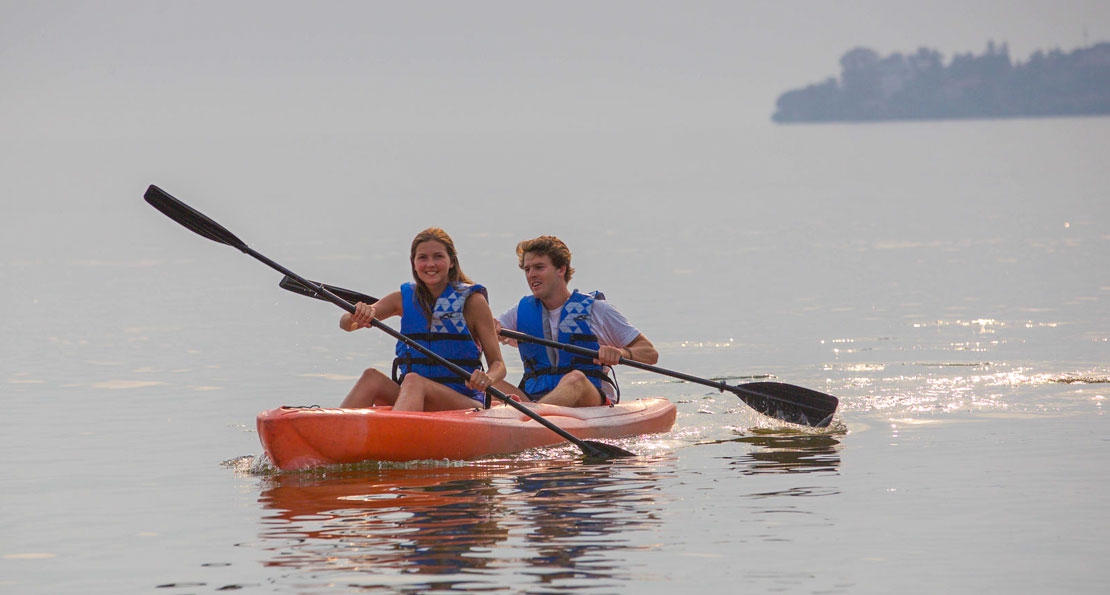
x: 920, y: 86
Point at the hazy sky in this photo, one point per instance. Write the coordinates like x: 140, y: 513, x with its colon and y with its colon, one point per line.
x: 123, y: 68
x: 368, y: 121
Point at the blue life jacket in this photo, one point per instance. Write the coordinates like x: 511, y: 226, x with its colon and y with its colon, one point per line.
x: 446, y: 335
x: 541, y: 375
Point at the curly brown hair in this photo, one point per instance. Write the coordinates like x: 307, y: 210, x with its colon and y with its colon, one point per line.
x: 551, y: 246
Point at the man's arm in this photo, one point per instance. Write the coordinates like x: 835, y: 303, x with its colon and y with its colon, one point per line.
x: 642, y: 350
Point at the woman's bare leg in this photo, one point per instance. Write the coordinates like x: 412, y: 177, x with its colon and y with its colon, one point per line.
x: 372, y: 388
x: 420, y: 394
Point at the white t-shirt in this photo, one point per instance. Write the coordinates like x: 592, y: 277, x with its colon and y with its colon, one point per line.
x: 610, y: 326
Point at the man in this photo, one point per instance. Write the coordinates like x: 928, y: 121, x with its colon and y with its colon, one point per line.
x: 556, y: 313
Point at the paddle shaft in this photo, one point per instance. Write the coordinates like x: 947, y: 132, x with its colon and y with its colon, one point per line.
x: 205, y: 226
x: 309, y: 289
x: 458, y: 370
x: 518, y: 336
x: 802, y: 405
x: 791, y: 403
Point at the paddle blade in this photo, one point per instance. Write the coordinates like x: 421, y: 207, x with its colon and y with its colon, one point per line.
x: 191, y: 218
x: 789, y: 403
x: 599, y: 450
x: 352, y: 296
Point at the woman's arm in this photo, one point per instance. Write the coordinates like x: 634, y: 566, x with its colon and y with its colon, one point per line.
x: 479, y: 318
x: 387, y: 307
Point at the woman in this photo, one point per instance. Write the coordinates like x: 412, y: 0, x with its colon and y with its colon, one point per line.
x: 444, y: 311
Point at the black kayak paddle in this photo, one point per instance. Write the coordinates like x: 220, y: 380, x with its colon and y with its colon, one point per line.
x: 785, y: 402
x: 199, y: 223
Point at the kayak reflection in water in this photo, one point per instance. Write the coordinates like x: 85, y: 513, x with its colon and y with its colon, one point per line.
x: 446, y: 312
x: 586, y: 320
x: 541, y: 524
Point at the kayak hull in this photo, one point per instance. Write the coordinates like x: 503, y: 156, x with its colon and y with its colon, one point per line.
x: 297, y: 438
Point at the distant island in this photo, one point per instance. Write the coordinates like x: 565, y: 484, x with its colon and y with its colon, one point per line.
x: 921, y: 87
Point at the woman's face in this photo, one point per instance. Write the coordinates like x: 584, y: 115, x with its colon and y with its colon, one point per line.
x: 432, y: 263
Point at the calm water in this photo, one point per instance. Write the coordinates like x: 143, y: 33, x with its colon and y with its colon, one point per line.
x: 948, y: 281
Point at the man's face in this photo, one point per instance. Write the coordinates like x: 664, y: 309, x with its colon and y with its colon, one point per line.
x: 543, y: 278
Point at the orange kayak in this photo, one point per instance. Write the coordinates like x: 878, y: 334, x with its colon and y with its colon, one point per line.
x: 299, y: 438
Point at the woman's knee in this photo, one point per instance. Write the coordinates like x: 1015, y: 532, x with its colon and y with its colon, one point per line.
x: 413, y: 380
x: 372, y: 374
x: 375, y: 381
